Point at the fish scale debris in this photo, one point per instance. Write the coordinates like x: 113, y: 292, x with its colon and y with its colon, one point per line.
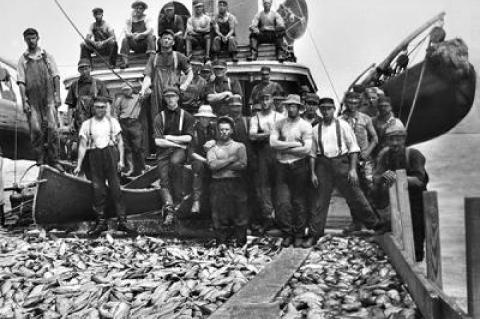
x: 346, y: 277
x: 122, y: 278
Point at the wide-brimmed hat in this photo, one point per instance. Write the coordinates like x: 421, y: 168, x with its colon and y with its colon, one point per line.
x: 205, y: 111
x: 293, y: 99
x: 397, y: 128
x: 139, y: 3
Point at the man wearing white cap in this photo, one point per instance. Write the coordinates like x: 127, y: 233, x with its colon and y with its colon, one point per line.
x: 395, y: 157
x: 127, y: 109
x: 205, y: 130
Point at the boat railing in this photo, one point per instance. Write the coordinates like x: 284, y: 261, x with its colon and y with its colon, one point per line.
x: 426, y: 289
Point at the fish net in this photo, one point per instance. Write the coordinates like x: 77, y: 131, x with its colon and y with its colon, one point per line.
x: 452, y: 57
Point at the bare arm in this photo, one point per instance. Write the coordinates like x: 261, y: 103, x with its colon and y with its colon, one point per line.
x: 147, y: 81
x: 179, y: 139
x: 231, y: 23
x: 164, y: 143
x: 279, y: 145
x: 216, y: 164
x: 373, y: 139
x: 121, y: 148
x: 218, y: 97
x: 241, y: 162
x: 188, y: 80
x: 82, y: 149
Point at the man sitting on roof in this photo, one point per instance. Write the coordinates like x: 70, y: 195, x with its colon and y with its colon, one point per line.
x: 168, y: 20
x: 198, y: 30
x: 138, y: 34
x: 267, y: 27
x: 224, y: 24
x: 100, y: 39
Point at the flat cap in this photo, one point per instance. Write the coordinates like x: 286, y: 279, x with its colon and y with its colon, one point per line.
x: 265, y: 69
x: 102, y: 99
x: 197, y: 3
x: 169, y: 5
x: 139, y: 3
x: 167, y: 31
x: 326, y: 101
x: 97, y: 10
x: 353, y: 95
x: 169, y: 90
x: 30, y: 31
x: 225, y: 119
x: 219, y: 65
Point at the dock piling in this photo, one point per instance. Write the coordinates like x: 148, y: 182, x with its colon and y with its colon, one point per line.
x: 472, y: 240
x: 432, y: 238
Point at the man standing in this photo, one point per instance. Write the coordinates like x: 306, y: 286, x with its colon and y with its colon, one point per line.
x: 127, y: 109
x: 205, y: 131
x: 164, y: 70
x: 173, y: 132
x: 267, y: 27
x: 292, y: 139
x: 81, y: 94
x: 333, y: 163
x: 194, y: 95
x: 221, y: 90
x: 228, y: 195
x: 198, y: 30
x: 312, y: 113
x: 101, y: 142
x: 224, y: 24
x: 265, y: 87
x: 168, y: 20
x: 100, y: 40
x: 367, y: 140
x: 39, y: 82
x: 261, y: 125
x: 398, y: 156
x: 382, y: 122
x: 138, y: 34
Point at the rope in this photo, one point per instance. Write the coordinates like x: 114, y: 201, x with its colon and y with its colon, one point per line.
x: 417, y: 91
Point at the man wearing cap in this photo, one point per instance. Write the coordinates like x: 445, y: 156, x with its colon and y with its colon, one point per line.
x: 194, y: 95
x: 292, y: 140
x: 370, y: 108
x: 204, y: 134
x: 261, y: 125
x: 395, y: 157
x: 265, y: 86
x: 367, y: 140
x: 39, y: 82
x: 267, y: 27
x: 333, y: 163
x: 312, y: 113
x: 221, y: 90
x: 227, y: 159
x: 168, y: 20
x: 126, y: 109
x: 224, y: 25
x: 198, y: 30
x: 81, y: 94
x: 382, y: 121
x: 100, y: 39
x: 173, y: 133
x: 164, y: 69
x: 101, y: 142
x: 139, y: 35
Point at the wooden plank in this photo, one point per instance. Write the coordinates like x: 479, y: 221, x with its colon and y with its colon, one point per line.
x: 432, y: 236
x: 395, y: 216
x: 404, y: 207
x: 472, y: 233
x: 261, y: 291
x: 144, y: 180
x: 431, y: 300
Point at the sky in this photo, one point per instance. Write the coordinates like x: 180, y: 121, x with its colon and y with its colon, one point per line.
x: 349, y: 34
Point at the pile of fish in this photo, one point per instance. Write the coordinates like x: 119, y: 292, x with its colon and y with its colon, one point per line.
x: 346, y: 277
x: 42, y: 277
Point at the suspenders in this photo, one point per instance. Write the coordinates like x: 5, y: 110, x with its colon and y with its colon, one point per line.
x: 180, y: 124
x: 338, y: 133
x: 90, y: 136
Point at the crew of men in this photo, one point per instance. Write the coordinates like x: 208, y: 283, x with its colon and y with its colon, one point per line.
x: 276, y: 168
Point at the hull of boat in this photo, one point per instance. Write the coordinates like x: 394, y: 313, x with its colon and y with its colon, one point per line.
x: 65, y: 199
x: 14, y: 127
x: 442, y: 101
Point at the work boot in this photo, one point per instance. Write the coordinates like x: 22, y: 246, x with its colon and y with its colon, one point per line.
x: 297, y: 243
x: 240, y: 236
x: 309, y: 242
x: 168, y: 216
x: 287, y: 241
x: 98, y: 228
x: 123, y: 227
x: 124, y: 63
x: 253, y: 56
x: 196, y: 207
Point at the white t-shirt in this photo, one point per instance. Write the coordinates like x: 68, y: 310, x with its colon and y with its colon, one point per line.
x: 329, y: 140
x: 267, y: 122
x: 100, y: 133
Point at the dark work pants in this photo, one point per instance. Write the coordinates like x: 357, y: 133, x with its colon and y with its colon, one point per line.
x: 290, y: 197
x: 44, y: 134
x: 218, y: 45
x: 228, y: 198
x: 109, y: 49
x: 418, y: 220
x: 264, y: 180
x: 334, y: 173
x: 145, y: 45
x: 365, y: 176
x: 132, y: 134
x: 170, y: 172
x: 103, y: 168
x: 275, y: 37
